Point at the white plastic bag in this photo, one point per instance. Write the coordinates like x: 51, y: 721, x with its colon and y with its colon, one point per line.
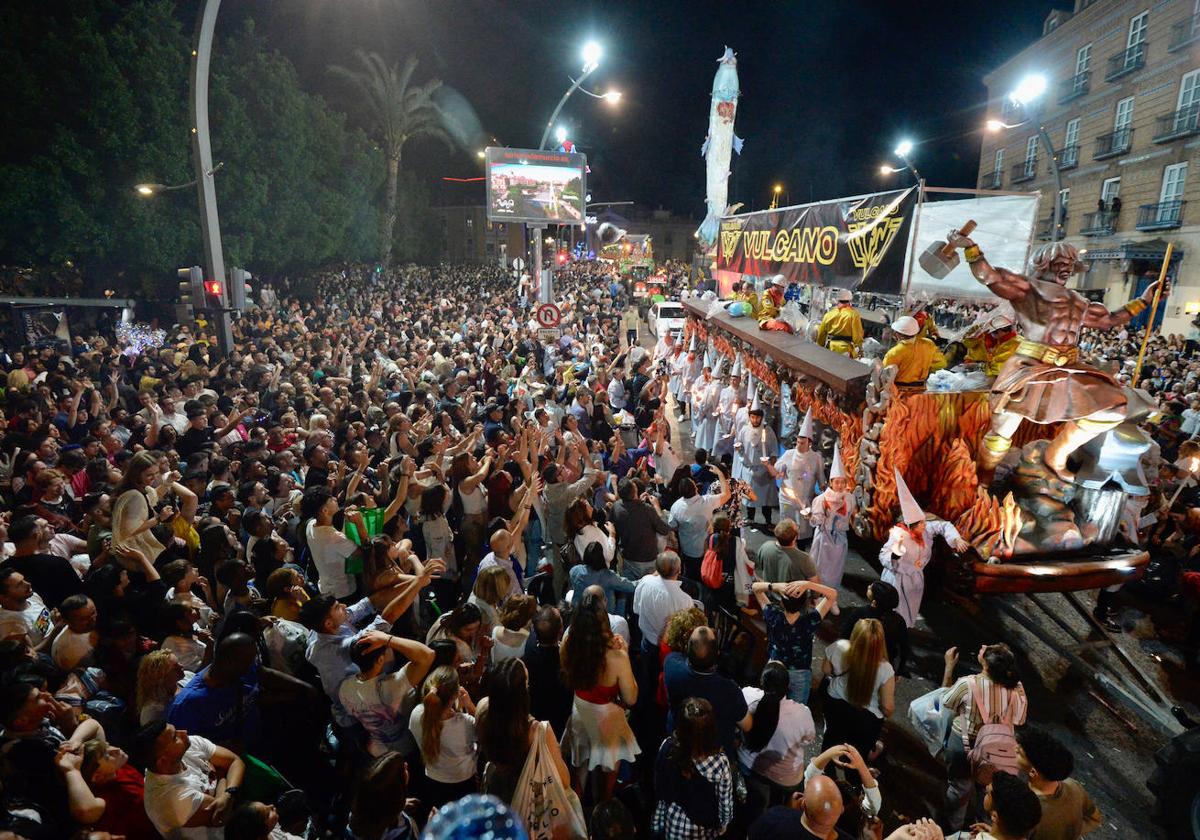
x: 549, y: 810
x: 932, y: 719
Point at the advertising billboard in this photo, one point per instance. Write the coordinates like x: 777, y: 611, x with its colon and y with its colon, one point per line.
x: 538, y: 188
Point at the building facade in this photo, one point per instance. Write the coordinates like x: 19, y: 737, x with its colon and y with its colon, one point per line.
x: 1122, y: 111
x: 468, y: 236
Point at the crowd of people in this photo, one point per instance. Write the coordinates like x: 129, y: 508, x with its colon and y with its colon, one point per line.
x: 393, y: 551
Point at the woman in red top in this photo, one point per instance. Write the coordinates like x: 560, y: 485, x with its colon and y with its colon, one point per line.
x: 104, y: 792
x: 596, y: 667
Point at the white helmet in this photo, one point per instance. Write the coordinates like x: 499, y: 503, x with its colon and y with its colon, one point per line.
x: 779, y: 280
x: 845, y: 296
x: 906, y: 325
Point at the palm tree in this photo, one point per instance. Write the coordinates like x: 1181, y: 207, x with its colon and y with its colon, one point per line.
x: 399, y: 111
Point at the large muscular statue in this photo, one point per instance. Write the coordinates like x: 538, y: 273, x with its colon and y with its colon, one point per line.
x: 1044, y: 381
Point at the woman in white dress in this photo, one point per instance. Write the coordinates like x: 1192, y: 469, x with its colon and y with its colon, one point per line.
x: 596, y: 667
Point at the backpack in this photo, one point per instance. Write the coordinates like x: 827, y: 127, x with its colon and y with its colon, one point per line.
x: 995, y: 744
x: 712, y: 570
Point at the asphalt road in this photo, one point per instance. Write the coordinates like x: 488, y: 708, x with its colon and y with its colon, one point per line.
x: 1113, y: 748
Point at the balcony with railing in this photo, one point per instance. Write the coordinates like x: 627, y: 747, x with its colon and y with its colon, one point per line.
x: 1166, y: 215
x: 1182, y: 123
x: 1114, y: 143
x: 1184, y: 33
x: 1075, y: 87
x: 991, y: 181
x: 1100, y: 223
x: 1024, y: 171
x: 1125, y: 62
x: 1068, y: 157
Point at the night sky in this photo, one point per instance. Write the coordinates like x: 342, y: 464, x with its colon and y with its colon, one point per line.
x: 827, y: 88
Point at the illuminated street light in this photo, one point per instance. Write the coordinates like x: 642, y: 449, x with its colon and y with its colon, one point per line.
x: 1029, y: 91
x: 560, y: 134
x: 481, y: 154
x: 591, y: 56
x: 890, y: 170
x: 1030, y: 88
x: 904, y: 149
x: 612, y: 97
x: 148, y: 189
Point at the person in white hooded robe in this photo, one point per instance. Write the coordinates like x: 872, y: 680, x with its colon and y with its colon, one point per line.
x: 909, y: 548
x: 831, y: 513
x: 800, y: 470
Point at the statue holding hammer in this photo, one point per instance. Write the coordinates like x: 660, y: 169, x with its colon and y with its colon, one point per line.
x: 1044, y: 381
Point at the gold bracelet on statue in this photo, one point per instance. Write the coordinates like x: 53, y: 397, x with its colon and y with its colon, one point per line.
x: 1135, y: 307
x: 972, y: 253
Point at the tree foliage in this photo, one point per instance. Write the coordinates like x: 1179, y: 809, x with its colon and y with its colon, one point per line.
x: 398, y: 110
x: 97, y: 101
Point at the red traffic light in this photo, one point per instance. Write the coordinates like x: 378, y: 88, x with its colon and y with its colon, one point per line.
x: 212, y: 287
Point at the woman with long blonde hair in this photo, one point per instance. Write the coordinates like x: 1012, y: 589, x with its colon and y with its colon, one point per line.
x: 158, y: 678
x: 862, y: 689
x: 444, y: 726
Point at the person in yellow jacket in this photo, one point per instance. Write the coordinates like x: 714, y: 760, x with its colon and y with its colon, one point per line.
x: 992, y: 343
x: 841, y: 329
x: 771, y: 303
x: 913, y: 356
x: 744, y: 291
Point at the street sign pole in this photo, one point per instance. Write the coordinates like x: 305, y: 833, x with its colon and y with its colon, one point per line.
x: 544, y: 280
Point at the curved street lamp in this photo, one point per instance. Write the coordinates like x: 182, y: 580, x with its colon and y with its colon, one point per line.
x: 1027, y: 92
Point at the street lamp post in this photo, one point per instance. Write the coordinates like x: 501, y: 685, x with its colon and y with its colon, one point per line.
x: 591, y: 60
x: 210, y: 225
x: 1031, y: 89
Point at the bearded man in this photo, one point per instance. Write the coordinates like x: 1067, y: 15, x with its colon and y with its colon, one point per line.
x: 1044, y: 381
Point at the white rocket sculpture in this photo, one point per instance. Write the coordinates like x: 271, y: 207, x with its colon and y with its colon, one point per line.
x: 719, y: 145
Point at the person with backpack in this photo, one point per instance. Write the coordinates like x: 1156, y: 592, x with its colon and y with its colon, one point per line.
x: 987, y: 706
x: 725, y: 569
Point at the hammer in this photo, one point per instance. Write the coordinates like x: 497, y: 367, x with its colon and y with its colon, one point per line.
x: 939, y: 259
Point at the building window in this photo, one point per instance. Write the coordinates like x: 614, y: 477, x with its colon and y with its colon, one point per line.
x: 1083, y: 59
x: 1137, y: 29
x: 998, y: 166
x: 470, y: 223
x: 1071, y: 137
x: 1110, y: 189
x: 1031, y: 155
x: 1124, y: 114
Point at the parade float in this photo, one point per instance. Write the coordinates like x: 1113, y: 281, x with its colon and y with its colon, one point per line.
x: 1037, y: 529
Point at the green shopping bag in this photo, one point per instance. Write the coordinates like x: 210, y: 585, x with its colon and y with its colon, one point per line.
x: 373, y: 521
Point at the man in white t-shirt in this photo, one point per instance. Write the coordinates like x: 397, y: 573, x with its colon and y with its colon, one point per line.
x: 75, y: 644
x: 23, y: 614
x: 190, y: 782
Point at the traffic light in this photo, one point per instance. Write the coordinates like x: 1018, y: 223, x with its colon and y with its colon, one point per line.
x: 191, y: 286
x: 214, y: 296
x: 239, y: 288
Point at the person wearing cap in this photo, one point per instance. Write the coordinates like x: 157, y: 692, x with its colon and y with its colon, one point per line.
x: 992, y: 343
x: 841, y: 329
x: 757, y: 447
x: 801, y: 470
x: 831, y: 514
x: 909, y: 548
x: 771, y: 304
x: 913, y: 357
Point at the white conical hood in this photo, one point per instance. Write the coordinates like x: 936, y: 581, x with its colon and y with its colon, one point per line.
x: 750, y: 386
x: 692, y: 346
x: 836, y: 470
x: 719, y: 367
x: 910, y: 511
x: 806, y: 429
x: 737, y: 366
x: 756, y: 405
x: 708, y: 358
